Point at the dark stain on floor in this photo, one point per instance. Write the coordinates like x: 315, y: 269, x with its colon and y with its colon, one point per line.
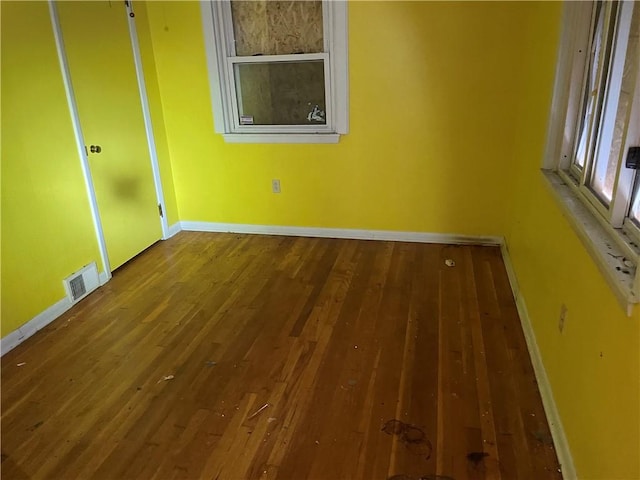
x: 476, y: 457
x: 413, y: 438
x: 543, y: 437
x: 36, y: 426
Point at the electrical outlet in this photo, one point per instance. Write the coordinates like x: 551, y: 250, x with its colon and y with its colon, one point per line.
x: 563, y: 316
x: 275, y: 185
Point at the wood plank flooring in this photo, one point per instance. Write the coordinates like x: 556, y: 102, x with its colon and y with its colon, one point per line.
x: 222, y: 356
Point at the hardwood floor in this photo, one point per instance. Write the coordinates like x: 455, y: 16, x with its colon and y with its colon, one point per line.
x: 222, y: 356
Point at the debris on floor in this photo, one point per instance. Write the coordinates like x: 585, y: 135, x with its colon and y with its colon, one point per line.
x: 21, y: 364
x: 449, y: 262
x: 254, y: 414
x: 165, y: 378
x: 37, y: 425
x: 210, y: 363
x: 271, y: 419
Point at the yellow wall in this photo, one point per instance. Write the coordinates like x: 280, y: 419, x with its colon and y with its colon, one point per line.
x: 47, y: 232
x: 594, y: 365
x: 431, y: 123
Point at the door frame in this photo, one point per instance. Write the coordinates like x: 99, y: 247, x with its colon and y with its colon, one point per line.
x: 146, y: 112
x: 79, y: 137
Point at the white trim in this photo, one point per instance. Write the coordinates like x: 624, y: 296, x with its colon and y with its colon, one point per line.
x: 38, y: 322
x: 252, y: 129
x: 592, y: 222
x: 235, y: 99
x: 346, y: 233
x: 624, y: 187
x: 604, y: 244
x: 146, y: 113
x: 574, y: 35
x: 103, y: 278
x: 297, y: 58
x: 618, y: 204
x: 567, y: 188
x: 281, y: 137
x: 11, y: 341
x: 174, y: 229
x: 339, y: 65
x: 214, y: 53
x: 77, y: 130
x: 560, y: 441
x: 220, y: 53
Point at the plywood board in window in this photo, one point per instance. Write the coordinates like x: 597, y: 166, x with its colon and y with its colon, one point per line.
x: 273, y: 27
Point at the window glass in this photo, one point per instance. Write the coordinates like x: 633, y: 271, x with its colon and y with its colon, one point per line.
x: 634, y: 211
x: 609, y: 153
x: 281, y: 93
x: 591, y: 90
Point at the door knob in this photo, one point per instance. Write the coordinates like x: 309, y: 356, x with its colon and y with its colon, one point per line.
x: 95, y: 148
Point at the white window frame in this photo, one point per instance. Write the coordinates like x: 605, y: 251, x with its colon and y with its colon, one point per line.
x: 218, y: 36
x: 606, y: 232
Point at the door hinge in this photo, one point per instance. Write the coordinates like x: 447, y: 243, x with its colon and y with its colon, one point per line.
x: 160, y: 210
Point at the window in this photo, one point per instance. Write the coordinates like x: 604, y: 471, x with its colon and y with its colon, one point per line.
x: 595, y: 123
x: 278, y: 69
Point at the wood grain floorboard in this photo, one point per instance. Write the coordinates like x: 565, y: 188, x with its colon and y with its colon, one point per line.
x: 223, y: 356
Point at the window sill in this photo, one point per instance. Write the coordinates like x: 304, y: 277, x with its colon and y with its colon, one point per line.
x: 603, y: 244
x: 281, y: 137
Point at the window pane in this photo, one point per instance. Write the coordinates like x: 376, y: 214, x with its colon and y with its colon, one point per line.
x: 587, y: 119
x: 634, y: 211
x: 282, y: 93
x: 612, y: 133
x: 268, y: 27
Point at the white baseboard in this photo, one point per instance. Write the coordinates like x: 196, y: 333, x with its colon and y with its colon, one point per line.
x: 546, y: 393
x: 346, y: 233
x: 173, y: 229
x: 11, y: 341
x: 44, y: 318
x: 38, y: 322
x: 104, y: 277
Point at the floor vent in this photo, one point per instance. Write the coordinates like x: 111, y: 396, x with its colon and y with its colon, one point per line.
x: 81, y: 283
